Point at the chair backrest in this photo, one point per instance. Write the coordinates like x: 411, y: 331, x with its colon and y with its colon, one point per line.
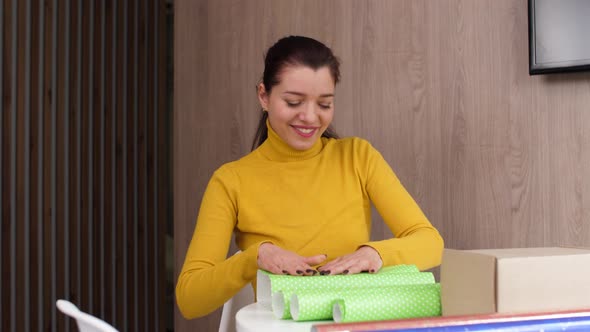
x: 86, y: 322
x: 228, y: 316
x: 231, y: 307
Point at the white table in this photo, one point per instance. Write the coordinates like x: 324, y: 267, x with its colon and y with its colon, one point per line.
x: 255, y: 318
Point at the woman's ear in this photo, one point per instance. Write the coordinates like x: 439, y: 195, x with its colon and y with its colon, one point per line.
x: 262, y: 96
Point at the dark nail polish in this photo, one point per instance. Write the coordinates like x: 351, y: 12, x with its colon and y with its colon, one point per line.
x: 325, y: 272
x: 285, y: 272
x: 345, y: 272
x: 309, y: 271
x: 299, y: 272
x: 372, y: 271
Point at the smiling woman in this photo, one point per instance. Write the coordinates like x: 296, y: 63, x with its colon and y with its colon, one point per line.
x: 290, y: 66
x: 300, y: 108
x: 300, y: 202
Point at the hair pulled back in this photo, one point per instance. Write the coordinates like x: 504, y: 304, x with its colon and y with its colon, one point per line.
x: 294, y: 51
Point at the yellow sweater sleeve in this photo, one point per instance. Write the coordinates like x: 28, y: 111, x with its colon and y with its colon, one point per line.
x: 208, y: 279
x: 416, y: 240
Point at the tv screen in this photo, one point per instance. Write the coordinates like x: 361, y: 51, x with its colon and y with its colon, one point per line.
x: 559, y: 36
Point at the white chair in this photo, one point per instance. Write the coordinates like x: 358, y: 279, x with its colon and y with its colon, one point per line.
x: 86, y: 322
x: 228, y: 315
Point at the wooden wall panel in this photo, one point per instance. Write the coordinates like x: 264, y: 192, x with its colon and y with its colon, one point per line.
x: 495, y: 157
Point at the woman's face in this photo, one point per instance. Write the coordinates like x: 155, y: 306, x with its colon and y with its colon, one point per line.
x: 301, y: 107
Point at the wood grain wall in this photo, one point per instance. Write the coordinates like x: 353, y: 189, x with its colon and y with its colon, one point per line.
x: 495, y: 157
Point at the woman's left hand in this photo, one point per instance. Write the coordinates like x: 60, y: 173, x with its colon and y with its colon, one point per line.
x: 364, y: 259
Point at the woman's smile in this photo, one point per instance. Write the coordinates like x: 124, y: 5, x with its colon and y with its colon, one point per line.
x: 305, y: 131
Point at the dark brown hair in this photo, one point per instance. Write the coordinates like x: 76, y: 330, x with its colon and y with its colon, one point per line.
x: 294, y: 51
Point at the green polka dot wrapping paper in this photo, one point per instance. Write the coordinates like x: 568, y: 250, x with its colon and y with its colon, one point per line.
x: 397, y: 302
x: 276, y: 291
x: 268, y: 283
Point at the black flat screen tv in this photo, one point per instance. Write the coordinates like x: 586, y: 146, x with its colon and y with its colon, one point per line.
x: 559, y: 36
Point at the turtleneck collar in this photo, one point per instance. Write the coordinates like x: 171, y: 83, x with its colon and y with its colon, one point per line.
x: 275, y: 149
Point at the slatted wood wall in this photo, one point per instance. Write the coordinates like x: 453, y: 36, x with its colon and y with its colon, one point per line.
x: 84, y: 173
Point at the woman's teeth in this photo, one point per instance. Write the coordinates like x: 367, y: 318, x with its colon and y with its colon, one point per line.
x: 305, y: 130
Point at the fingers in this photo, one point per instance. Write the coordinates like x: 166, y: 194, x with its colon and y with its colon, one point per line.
x: 302, y: 270
x: 347, y: 266
x: 365, y: 259
x: 315, y: 260
x: 305, y: 268
x: 280, y: 261
x: 273, y: 269
x: 299, y: 266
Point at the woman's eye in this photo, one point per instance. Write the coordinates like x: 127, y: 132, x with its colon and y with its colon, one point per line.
x: 293, y: 103
x: 325, y: 106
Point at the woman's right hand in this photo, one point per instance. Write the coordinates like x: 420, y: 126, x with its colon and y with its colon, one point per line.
x: 277, y: 260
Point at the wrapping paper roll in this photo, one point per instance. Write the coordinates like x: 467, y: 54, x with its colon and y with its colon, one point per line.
x: 314, y: 304
x: 465, y: 321
x: 283, y: 287
x: 317, y: 304
x: 281, y: 299
x: 396, y: 302
x: 268, y: 283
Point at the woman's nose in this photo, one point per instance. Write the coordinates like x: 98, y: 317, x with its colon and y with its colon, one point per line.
x: 308, y: 113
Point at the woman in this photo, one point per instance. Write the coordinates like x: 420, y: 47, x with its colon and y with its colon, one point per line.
x: 300, y: 202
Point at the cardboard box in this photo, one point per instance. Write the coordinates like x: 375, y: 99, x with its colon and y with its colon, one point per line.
x: 514, y: 280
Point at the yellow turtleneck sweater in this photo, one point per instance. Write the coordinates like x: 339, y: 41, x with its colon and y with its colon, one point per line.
x: 316, y: 201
